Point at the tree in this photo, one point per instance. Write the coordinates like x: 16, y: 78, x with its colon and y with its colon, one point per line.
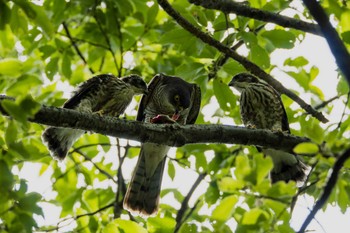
x: 47, y: 46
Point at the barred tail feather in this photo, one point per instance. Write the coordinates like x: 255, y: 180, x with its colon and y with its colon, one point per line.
x: 60, y: 140
x: 142, y: 196
x: 286, y: 166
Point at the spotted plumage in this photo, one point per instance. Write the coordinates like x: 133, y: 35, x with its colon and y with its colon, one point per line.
x: 261, y: 107
x: 170, y: 99
x: 103, y: 94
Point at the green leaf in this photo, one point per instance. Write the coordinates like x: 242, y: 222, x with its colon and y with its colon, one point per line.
x: 259, y: 56
x: 152, y: 14
x: 66, y: 65
x: 253, y: 216
x: 230, y: 185
x: 225, y: 209
x: 6, y: 177
x: 11, y: 134
x: 11, y: 67
x: 343, y: 86
x: 29, y: 203
x: 306, y: 148
x: 224, y: 95
x: 171, y: 169
x: 243, y: 167
x: 263, y: 167
x: 297, y: 62
x: 5, y: 14
x: 346, y: 37
x: 280, y: 38
x: 160, y: 225
x: 123, y: 226
x: 37, y: 14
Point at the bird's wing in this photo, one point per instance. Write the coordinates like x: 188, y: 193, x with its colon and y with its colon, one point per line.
x: 85, y: 89
x: 196, y: 104
x: 285, y: 123
x: 156, y: 80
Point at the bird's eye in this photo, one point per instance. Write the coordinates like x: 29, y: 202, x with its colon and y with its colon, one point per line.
x: 177, y: 98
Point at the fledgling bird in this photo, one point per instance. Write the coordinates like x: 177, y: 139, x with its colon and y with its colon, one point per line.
x: 170, y: 99
x: 261, y: 107
x: 104, y: 94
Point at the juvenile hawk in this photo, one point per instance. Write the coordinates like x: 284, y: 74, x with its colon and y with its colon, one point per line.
x: 104, y: 94
x: 169, y: 99
x: 261, y: 107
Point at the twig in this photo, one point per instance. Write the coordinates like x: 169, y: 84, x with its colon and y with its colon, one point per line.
x: 184, y: 205
x: 105, y: 35
x: 121, y: 190
x: 250, y: 66
x: 65, y: 27
x: 325, y: 103
x: 341, y: 54
x: 75, y: 39
x: 327, y: 190
x: 343, y: 114
x: 230, y: 6
x: 109, y: 176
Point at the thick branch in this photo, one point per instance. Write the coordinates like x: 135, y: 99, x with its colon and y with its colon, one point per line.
x: 327, y: 190
x: 341, y: 54
x: 250, y: 66
x: 230, y: 6
x: 169, y: 134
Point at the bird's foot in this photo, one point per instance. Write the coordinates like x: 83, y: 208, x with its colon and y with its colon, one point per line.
x: 250, y: 126
x: 100, y: 113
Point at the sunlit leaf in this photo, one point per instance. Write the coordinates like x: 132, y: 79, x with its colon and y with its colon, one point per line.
x: 225, y: 209
x: 306, y: 148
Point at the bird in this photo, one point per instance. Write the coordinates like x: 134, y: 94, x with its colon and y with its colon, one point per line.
x: 261, y: 107
x: 102, y: 94
x: 170, y: 100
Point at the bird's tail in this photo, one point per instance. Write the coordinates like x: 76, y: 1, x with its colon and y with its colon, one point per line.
x: 287, y: 166
x: 60, y: 140
x: 142, y: 196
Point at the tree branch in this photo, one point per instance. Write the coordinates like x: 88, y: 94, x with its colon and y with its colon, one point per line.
x: 327, y: 190
x: 167, y: 134
x: 250, y: 66
x: 65, y: 27
x: 184, y: 205
x: 341, y: 54
x: 230, y: 6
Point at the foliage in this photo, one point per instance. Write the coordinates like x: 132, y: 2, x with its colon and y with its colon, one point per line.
x: 48, y: 46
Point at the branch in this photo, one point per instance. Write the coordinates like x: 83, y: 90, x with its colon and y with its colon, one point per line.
x: 65, y: 27
x: 184, y: 205
x: 230, y: 6
x: 167, y: 134
x: 250, y: 66
x: 223, y: 58
x: 335, y: 43
x: 87, y: 158
x: 327, y: 190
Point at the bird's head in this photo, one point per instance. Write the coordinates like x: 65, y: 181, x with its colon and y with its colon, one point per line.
x: 138, y: 85
x: 180, y: 99
x: 242, y: 81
